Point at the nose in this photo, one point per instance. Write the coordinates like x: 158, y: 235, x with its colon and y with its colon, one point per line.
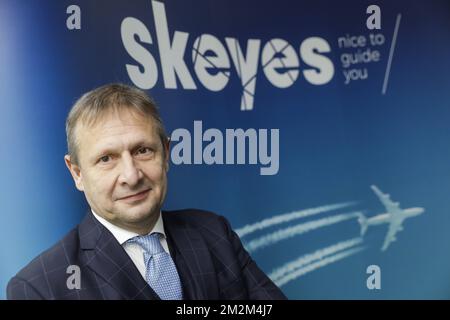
x: 130, y: 174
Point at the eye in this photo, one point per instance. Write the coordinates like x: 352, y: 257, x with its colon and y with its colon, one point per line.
x: 143, y: 150
x: 104, y: 159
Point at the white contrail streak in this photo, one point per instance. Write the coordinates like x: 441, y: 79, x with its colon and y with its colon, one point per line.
x: 286, y: 217
x: 308, y: 258
x: 316, y: 265
x: 289, y: 232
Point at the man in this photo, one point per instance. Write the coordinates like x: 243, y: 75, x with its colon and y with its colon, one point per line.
x: 126, y: 247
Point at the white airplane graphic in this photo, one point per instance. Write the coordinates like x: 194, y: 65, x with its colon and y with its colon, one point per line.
x: 394, y: 216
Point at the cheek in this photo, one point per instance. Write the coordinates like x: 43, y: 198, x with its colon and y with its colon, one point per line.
x: 101, y: 186
x: 157, y: 174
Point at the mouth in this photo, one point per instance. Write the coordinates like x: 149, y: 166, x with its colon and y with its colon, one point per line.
x: 136, y: 197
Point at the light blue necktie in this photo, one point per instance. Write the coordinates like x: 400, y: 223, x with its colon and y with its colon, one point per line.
x: 161, y: 273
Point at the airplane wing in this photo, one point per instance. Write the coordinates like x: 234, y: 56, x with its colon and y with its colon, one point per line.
x: 392, y: 207
x: 394, y: 226
x: 395, y: 216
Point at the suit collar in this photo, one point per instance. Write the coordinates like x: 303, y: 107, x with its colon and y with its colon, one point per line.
x: 106, y: 257
x: 195, y: 264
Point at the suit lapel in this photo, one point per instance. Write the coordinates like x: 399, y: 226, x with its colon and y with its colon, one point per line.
x: 106, y: 257
x: 193, y: 259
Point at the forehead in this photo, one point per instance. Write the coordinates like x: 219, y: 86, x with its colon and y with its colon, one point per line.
x: 116, y: 128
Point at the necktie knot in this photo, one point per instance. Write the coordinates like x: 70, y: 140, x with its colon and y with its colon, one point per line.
x: 150, y: 243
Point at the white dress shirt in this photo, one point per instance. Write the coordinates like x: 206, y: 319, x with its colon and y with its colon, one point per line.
x: 134, y: 250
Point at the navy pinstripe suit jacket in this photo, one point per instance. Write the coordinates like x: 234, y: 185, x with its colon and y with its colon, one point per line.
x: 209, y: 256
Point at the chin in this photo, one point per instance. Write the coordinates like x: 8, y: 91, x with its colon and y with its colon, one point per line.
x: 138, y: 214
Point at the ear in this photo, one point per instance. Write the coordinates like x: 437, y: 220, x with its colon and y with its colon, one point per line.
x: 75, y: 171
x: 166, y: 147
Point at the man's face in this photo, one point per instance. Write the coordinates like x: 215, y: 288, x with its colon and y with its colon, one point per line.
x: 122, y: 169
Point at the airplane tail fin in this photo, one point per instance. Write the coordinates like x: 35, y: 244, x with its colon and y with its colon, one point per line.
x: 363, y: 223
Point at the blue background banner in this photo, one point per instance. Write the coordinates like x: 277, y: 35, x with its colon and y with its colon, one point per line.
x: 348, y: 97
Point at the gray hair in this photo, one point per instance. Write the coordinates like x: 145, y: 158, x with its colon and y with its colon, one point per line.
x: 116, y: 97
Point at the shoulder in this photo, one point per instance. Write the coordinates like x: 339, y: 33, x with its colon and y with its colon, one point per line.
x: 32, y: 280
x: 203, y: 221
x: 196, y: 218
x: 191, y: 215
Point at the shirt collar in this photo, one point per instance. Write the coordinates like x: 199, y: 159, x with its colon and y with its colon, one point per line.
x: 123, y: 235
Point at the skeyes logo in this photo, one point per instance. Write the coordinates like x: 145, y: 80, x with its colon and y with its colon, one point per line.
x: 213, y: 60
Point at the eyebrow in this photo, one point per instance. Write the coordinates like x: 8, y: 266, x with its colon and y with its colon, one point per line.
x: 108, y: 149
